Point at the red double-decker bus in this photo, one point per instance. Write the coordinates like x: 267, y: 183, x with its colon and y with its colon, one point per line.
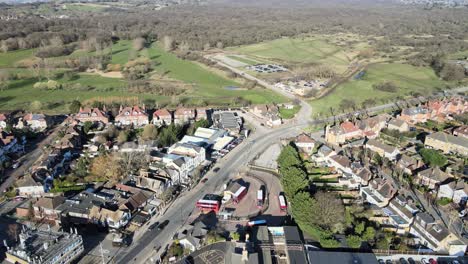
x: 282, y: 202
x: 208, y: 205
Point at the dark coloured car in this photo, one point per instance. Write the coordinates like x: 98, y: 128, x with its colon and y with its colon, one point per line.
x: 204, y: 180
x: 216, y: 169
x: 403, y: 261
x: 163, y: 225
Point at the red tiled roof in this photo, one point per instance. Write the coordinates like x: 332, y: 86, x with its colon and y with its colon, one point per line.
x: 348, y: 127
x: 162, y: 112
x: 132, y: 111
x: 303, y: 138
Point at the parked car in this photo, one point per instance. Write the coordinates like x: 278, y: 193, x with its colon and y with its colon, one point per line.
x: 163, y: 225
x: 381, y: 261
x: 204, y: 180
x: 411, y: 261
x: 424, y: 261
x: 432, y: 261
x: 216, y: 169
x: 403, y: 261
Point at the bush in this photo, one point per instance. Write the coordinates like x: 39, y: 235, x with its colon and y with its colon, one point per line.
x: 49, y: 85
x: 388, y: 87
x: 433, y: 157
x: 444, y: 201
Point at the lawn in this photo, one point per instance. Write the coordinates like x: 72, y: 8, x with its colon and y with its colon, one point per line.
x: 408, y: 78
x: 9, y: 59
x: 288, y: 113
x: 207, y: 86
x: 298, y: 50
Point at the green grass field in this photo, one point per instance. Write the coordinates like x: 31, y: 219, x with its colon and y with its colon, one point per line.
x: 9, y: 59
x: 288, y: 113
x: 207, y: 86
x: 296, y: 50
x: 408, y: 78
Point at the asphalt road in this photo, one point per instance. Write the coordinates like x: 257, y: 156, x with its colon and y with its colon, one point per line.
x: 230, y: 165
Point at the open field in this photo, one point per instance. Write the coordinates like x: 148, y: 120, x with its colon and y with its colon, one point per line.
x: 297, y: 51
x: 408, y: 78
x: 205, y: 86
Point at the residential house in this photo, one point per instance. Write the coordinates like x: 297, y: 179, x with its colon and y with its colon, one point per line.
x: 324, y: 152
x: 400, y: 213
x: 371, y: 126
x: 432, y: 234
x: 191, y: 236
x: 456, y: 190
x: 153, y: 181
x: 382, y: 149
x: 202, y: 113
x: 263, y: 111
x: 273, y: 120
x: 94, y: 115
x: 379, y: 192
x: 28, y: 186
x: 96, y: 208
x: 36, y: 122
x: 46, y: 208
x: 134, y: 116
x: 190, y: 150
x: 409, y: 164
x: 114, y: 219
x: 432, y: 177
x: 415, y: 115
x: 339, y: 134
x: 3, y: 121
x: 364, y: 175
x: 305, y: 143
x: 341, y: 163
x: 450, y: 106
x: 398, y: 124
x: 461, y: 131
x: 162, y: 117
x: 184, y: 115
x: 447, y: 143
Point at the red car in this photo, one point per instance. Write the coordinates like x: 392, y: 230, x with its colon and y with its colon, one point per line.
x: 432, y: 261
x: 204, y: 180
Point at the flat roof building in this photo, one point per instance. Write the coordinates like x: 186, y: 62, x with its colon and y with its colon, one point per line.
x: 45, y: 246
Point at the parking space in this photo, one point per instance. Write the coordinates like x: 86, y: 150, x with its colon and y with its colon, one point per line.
x: 267, y: 68
x: 248, y: 205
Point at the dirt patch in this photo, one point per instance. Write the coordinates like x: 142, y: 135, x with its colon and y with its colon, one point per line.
x: 111, y: 74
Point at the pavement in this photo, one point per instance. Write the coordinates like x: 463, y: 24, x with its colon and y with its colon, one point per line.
x: 179, y: 213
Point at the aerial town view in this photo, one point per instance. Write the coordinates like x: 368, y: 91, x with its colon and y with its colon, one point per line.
x: 233, y: 131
